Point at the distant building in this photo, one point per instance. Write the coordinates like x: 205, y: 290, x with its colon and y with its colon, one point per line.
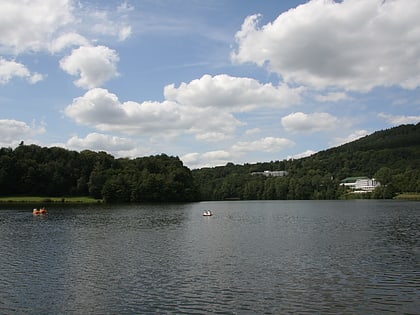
x: 360, y: 184
x: 271, y: 173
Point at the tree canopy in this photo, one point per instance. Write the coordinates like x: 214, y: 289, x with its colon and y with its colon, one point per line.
x: 42, y: 171
x: 391, y: 156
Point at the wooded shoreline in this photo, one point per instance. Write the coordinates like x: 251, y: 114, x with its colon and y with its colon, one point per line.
x: 390, y: 157
x: 48, y: 200
x: 87, y: 200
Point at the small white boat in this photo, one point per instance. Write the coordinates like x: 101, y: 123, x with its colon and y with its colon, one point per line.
x: 207, y: 213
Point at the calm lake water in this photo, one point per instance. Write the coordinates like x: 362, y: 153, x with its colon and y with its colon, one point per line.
x: 270, y: 257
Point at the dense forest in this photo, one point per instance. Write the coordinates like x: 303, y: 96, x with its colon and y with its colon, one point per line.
x: 40, y: 171
x: 391, y: 156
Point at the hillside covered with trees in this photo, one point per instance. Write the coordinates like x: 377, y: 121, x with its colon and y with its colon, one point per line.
x: 32, y: 170
x: 391, y: 156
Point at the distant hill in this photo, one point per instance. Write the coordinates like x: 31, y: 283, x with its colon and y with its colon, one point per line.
x: 392, y: 156
x: 397, y: 148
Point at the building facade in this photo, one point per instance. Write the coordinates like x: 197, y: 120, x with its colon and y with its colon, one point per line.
x: 360, y: 184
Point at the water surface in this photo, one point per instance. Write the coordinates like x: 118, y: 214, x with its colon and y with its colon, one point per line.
x: 254, y: 257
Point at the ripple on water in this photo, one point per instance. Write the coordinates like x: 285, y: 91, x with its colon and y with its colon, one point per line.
x: 269, y: 257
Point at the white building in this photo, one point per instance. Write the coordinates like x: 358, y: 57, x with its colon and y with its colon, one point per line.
x: 360, y: 184
x: 368, y: 184
x: 271, y: 173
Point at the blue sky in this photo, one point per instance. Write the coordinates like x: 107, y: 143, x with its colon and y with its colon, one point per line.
x: 209, y: 81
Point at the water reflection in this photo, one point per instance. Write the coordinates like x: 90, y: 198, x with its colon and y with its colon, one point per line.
x: 250, y: 257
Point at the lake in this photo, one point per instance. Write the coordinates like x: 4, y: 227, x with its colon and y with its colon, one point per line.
x: 250, y: 257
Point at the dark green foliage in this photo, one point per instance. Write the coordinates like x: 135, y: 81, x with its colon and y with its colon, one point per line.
x: 391, y: 156
x: 33, y: 170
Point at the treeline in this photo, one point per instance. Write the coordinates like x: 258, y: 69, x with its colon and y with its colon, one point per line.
x: 236, y: 182
x: 41, y: 171
x: 391, y: 156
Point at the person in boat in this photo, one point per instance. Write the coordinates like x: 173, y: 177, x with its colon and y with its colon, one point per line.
x: 40, y: 211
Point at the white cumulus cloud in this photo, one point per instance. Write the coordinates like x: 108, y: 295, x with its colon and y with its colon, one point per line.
x: 400, y: 119
x: 51, y: 25
x: 30, y: 25
x: 102, y: 110
x: 204, y: 107
x: 13, y: 131
x: 354, y: 45
x: 191, y: 158
x: 55, y: 25
x: 234, y: 93
x: 100, y: 142
x: 11, y: 68
x: 309, y: 123
x: 94, y: 64
x: 206, y: 159
x: 67, y: 40
x: 268, y: 144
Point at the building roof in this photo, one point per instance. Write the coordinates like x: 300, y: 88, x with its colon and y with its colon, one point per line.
x: 353, y: 179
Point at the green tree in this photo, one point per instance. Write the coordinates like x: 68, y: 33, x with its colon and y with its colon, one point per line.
x: 384, y: 176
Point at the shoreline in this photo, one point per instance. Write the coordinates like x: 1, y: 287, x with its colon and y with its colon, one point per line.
x: 48, y: 200
x: 89, y: 200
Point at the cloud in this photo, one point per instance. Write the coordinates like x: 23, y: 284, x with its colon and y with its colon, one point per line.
x: 125, y: 7
x: 100, y: 142
x: 109, y: 21
x: 67, y: 40
x: 309, y: 123
x: 10, y: 69
x: 302, y: 155
x: 124, y: 32
x: 103, y: 111
x: 105, y: 26
x: 54, y: 25
x: 13, y: 132
x: 268, y: 144
x: 399, y: 119
x: 10, y: 130
x: 233, y: 93
x: 51, y: 25
x: 204, y: 107
x: 207, y: 159
x: 332, y: 97
x: 252, y: 131
x: 354, y: 45
x: 30, y: 25
x: 352, y: 137
x: 94, y: 65
x: 191, y: 158
x: 221, y: 157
